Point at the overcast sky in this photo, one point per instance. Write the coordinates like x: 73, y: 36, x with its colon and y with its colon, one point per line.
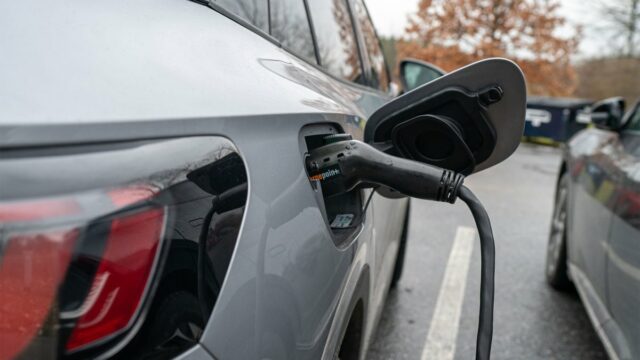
x: 390, y: 17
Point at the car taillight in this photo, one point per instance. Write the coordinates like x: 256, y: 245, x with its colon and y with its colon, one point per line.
x: 81, y: 263
x: 32, y: 266
x: 121, y: 278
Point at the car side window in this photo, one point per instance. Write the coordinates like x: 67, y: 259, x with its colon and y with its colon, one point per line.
x: 379, y: 74
x: 255, y: 12
x: 336, y: 40
x: 290, y: 25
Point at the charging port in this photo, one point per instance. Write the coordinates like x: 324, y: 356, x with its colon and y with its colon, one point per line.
x: 343, y: 213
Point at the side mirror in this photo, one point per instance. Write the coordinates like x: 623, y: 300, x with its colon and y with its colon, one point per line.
x: 608, y: 113
x: 414, y: 73
x: 466, y: 120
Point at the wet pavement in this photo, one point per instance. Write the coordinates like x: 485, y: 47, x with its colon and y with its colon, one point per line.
x: 532, y: 321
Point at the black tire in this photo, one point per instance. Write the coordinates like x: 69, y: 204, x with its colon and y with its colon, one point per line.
x: 402, y: 248
x: 177, y: 325
x: 556, y: 262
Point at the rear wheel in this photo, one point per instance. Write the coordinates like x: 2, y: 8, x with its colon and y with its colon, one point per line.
x: 351, y: 345
x: 556, y: 266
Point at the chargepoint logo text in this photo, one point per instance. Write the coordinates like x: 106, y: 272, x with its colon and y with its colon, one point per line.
x: 325, y: 175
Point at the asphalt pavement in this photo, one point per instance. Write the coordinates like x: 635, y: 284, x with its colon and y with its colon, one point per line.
x: 531, y: 321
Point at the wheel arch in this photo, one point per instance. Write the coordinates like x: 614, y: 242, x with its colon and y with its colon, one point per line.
x: 354, y: 296
x: 352, y: 333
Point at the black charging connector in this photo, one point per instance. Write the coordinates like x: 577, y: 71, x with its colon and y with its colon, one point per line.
x: 348, y: 164
x: 344, y: 164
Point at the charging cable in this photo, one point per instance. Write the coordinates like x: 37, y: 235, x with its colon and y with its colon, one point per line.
x: 343, y: 164
x: 487, y: 273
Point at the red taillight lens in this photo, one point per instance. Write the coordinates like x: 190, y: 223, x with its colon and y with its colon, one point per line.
x: 82, y: 263
x: 121, y: 279
x: 31, y: 269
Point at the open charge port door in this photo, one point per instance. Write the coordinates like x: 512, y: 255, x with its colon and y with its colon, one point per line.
x: 343, y: 213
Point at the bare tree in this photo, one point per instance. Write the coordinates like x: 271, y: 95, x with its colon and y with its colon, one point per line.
x: 623, y: 18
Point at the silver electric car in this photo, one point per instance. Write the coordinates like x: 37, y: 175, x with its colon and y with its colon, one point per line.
x: 155, y: 199
x: 153, y: 196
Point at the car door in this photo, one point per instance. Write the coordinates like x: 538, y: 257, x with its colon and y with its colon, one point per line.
x: 387, y: 213
x: 592, y: 192
x: 385, y: 216
x: 623, y: 249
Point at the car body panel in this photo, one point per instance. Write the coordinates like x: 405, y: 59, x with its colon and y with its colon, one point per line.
x: 195, y: 353
x: 589, y: 201
x: 165, y: 72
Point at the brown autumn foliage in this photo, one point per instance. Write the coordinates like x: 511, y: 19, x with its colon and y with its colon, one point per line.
x: 453, y: 33
x: 341, y: 14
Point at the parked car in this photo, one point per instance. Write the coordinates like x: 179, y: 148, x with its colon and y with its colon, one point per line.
x: 154, y: 201
x: 154, y: 198
x: 594, y: 241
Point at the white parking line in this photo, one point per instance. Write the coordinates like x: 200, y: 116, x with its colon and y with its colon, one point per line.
x: 441, y: 339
